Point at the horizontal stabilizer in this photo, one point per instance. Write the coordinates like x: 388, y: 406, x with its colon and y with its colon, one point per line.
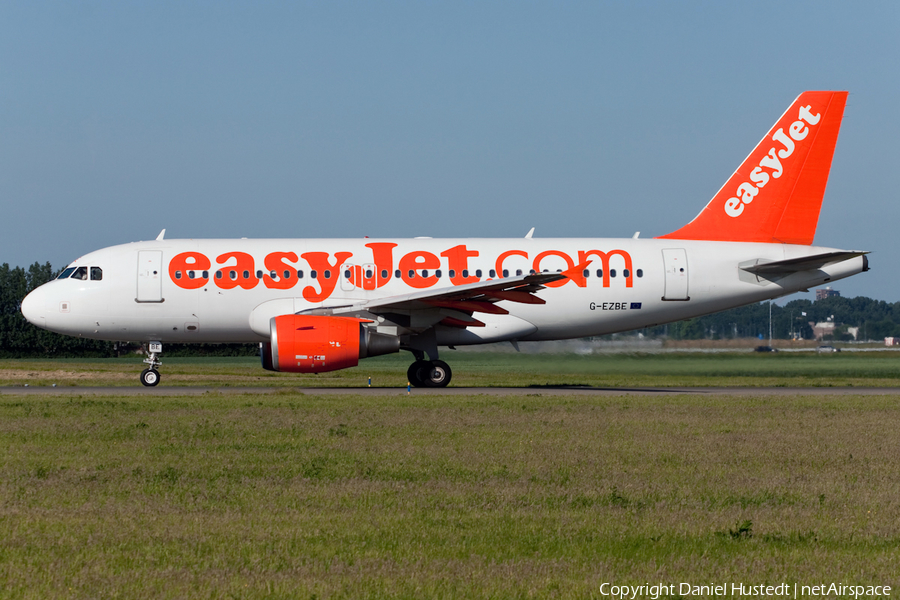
x: 805, y: 263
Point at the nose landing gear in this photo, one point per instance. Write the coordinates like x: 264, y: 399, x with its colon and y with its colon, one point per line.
x: 150, y: 376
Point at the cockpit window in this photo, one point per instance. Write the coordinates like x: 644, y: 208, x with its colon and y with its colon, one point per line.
x: 66, y: 273
x: 96, y: 273
x: 80, y: 273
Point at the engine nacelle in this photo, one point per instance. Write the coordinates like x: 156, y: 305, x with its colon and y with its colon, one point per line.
x: 317, y: 344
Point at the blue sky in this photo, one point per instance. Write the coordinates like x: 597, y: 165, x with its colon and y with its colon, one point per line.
x: 403, y: 119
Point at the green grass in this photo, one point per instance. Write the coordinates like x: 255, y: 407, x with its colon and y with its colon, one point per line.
x: 478, y: 369
x: 300, y: 496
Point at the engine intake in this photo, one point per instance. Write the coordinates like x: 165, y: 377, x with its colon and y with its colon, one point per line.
x: 318, y: 344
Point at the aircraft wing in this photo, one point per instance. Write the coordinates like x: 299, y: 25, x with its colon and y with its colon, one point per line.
x: 804, y: 263
x: 454, y: 306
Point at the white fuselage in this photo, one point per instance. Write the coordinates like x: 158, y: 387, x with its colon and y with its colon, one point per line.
x: 149, y: 291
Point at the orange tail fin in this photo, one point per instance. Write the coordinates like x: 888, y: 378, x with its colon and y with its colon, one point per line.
x: 776, y: 193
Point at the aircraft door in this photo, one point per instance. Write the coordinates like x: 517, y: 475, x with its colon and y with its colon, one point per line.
x: 149, y: 276
x: 675, y: 261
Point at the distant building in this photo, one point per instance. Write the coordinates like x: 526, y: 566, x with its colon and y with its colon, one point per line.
x: 820, y: 330
x: 823, y: 293
x: 892, y: 341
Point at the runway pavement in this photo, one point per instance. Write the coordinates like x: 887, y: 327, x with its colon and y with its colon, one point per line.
x: 450, y: 391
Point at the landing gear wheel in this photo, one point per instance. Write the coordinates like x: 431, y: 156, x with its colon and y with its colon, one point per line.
x: 438, y: 375
x: 150, y: 377
x: 416, y: 373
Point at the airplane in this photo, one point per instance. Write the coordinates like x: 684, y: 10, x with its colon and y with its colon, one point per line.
x: 318, y: 305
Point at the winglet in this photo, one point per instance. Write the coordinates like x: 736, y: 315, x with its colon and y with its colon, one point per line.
x: 578, y: 270
x: 776, y: 193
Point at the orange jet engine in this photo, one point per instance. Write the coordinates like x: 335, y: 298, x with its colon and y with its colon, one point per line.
x: 318, y: 344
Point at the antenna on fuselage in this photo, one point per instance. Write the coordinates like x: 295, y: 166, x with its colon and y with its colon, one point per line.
x: 161, y: 236
x: 529, y: 234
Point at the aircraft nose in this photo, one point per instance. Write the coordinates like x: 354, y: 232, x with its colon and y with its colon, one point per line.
x: 33, y: 308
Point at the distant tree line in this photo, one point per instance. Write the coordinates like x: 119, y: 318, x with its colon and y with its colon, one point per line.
x: 876, y: 320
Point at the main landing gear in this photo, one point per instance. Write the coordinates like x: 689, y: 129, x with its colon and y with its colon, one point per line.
x: 150, y: 376
x: 429, y: 373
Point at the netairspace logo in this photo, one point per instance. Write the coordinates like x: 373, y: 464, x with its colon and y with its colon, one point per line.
x: 709, y: 590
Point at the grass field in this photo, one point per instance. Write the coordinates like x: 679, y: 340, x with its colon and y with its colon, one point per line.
x: 291, y: 495
x: 301, y: 496
x: 482, y: 369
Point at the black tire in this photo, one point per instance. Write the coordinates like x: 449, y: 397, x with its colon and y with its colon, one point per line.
x: 150, y: 377
x: 437, y: 375
x: 416, y: 373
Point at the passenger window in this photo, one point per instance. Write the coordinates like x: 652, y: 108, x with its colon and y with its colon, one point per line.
x: 313, y: 274
x: 425, y: 273
x: 177, y: 274
x: 612, y: 272
x: 599, y: 272
x: 347, y: 274
x: 258, y: 275
x: 218, y: 274
x: 233, y: 275
x: 587, y: 273
x: 437, y: 273
x: 465, y: 272
x: 190, y: 274
x: 397, y: 273
x: 80, y: 273
x: 205, y: 274
x: 299, y: 274
x: 246, y: 274
x: 452, y: 273
x: 640, y: 273
x: 518, y: 272
x: 625, y: 273
x: 411, y: 273
x: 287, y: 274
x: 368, y: 273
x: 493, y: 273
x: 478, y: 273
x: 96, y: 274
x: 327, y: 274
x: 384, y: 273
x: 66, y: 273
x: 506, y: 272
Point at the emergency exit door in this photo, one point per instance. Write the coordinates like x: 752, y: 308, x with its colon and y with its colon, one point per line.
x: 675, y: 261
x: 149, y: 276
